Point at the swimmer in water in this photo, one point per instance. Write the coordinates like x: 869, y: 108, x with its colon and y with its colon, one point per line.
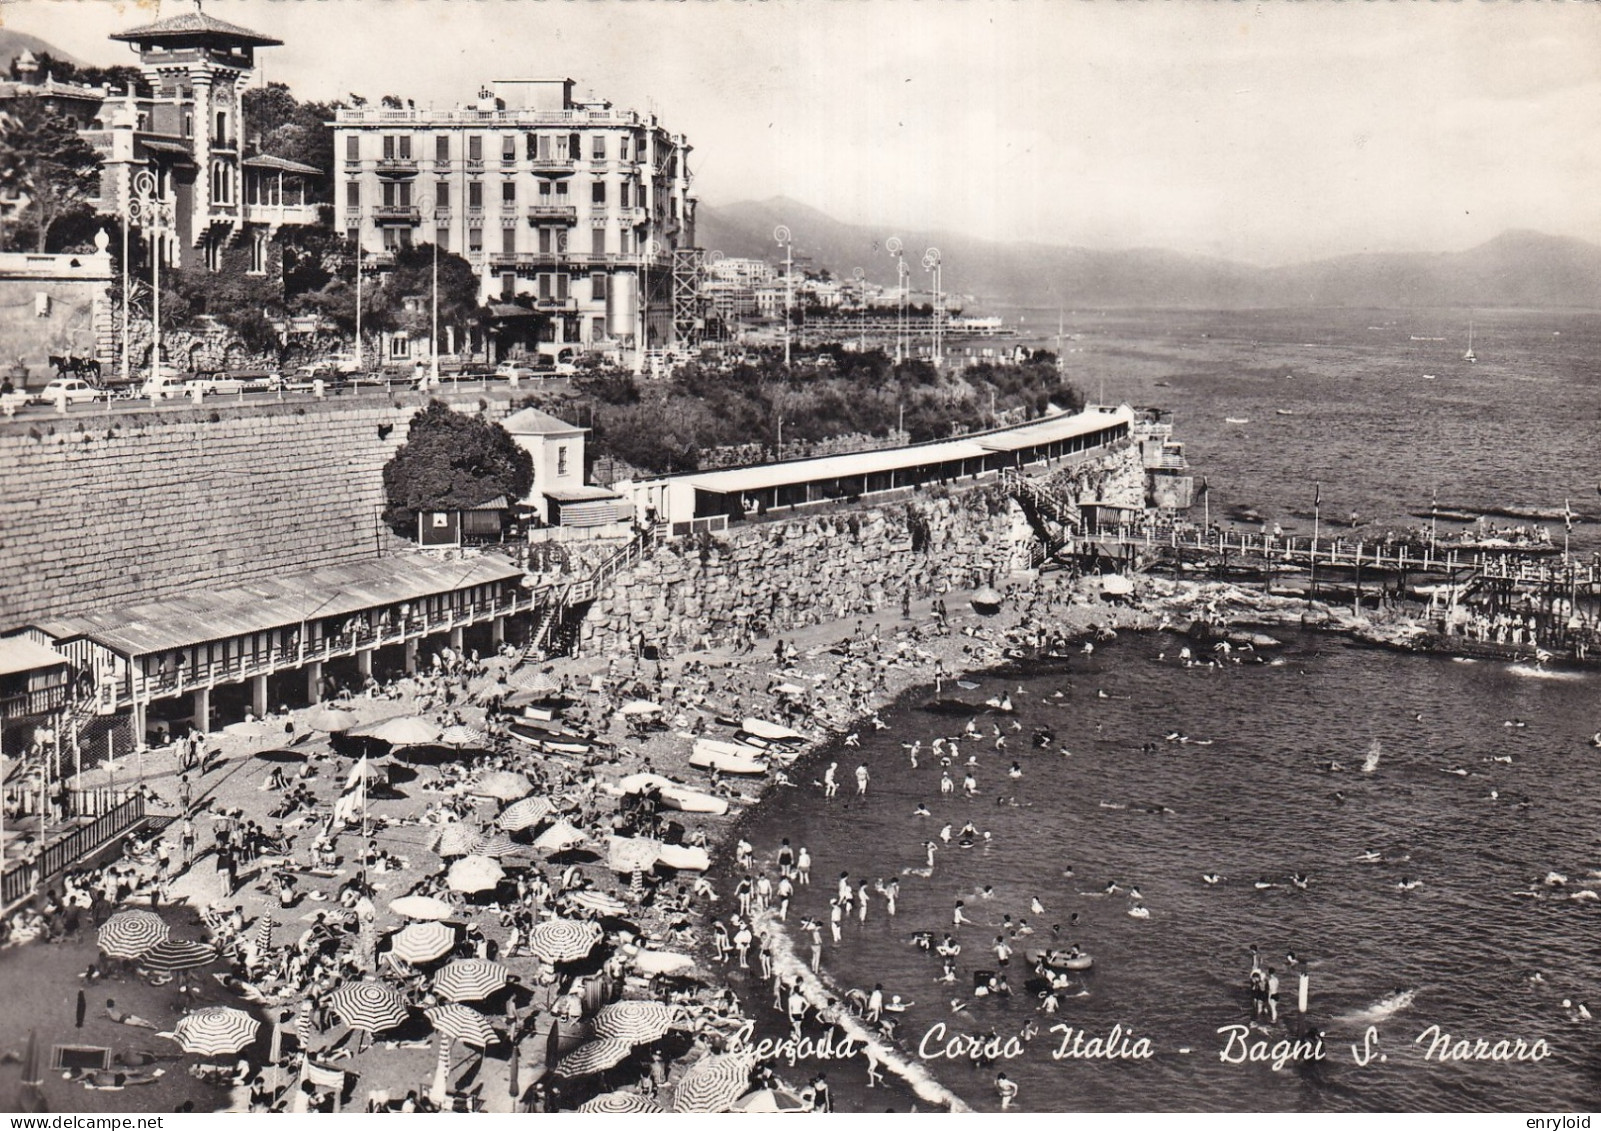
x: 921, y: 810
x: 1211, y: 877
x: 1264, y: 883
x: 1407, y: 884
x: 1035, y: 907
x: 1139, y: 911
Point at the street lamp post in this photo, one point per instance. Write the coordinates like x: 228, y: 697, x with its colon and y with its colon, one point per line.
x: 145, y: 206
x: 894, y: 247
x: 425, y: 206
x: 649, y: 249
x: 782, y: 236
x: 931, y: 264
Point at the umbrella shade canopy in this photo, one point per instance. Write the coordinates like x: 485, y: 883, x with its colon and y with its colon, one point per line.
x: 532, y: 680
x: 422, y: 942
x: 504, y: 785
x: 495, y: 845
x: 596, y: 1056
x: 621, y: 1103
x: 714, y: 1083
x: 1116, y: 585
x: 218, y: 1031
x: 471, y: 979
x: 475, y: 873
x: 459, y: 1023
x: 598, y: 902
x: 563, y: 940
x: 662, y: 961
x: 330, y: 719
x: 987, y: 597
x: 365, y: 769
x: 638, y: 1022
x: 128, y: 934
x: 456, y: 840
x: 559, y: 836
x: 640, y: 707
x: 624, y: 854
x: 178, y: 954
x: 264, y: 929
x: 249, y: 729
x: 422, y: 907
x: 462, y: 736
x: 524, y: 814
x: 372, y: 1006
x: 769, y: 1101
x: 406, y: 730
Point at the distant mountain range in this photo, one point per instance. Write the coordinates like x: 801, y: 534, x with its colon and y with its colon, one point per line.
x: 1517, y: 268
x: 13, y: 43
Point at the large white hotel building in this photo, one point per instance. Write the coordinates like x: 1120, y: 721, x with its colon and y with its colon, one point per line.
x: 574, y: 214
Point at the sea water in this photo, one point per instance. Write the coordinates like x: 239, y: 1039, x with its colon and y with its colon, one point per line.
x: 1252, y: 796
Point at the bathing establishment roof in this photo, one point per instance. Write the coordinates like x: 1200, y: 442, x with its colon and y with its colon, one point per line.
x: 277, y: 602
x: 20, y: 654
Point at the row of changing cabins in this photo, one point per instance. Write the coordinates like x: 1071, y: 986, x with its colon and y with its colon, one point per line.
x: 210, y: 656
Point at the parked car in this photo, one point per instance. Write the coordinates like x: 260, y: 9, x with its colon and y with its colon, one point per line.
x: 237, y: 381
x: 514, y: 371
x: 74, y: 389
x: 165, y: 384
x: 548, y: 370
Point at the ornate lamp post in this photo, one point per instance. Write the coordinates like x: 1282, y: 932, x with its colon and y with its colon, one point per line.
x: 145, y: 207
x: 425, y: 206
x: 894, y: 246
x: 931, y: 264
x: 782, y: 237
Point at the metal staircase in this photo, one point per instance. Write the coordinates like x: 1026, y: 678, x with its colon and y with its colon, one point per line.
x: 1054, y: 516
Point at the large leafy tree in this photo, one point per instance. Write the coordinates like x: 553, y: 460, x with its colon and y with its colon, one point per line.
x: 282, y: 126
x: 413, y: 278
x: 450, y: 460
x: 45, y: 168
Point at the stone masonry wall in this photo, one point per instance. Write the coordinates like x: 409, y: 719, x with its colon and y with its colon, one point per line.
x: 98, y: 510
x: 774, y: 576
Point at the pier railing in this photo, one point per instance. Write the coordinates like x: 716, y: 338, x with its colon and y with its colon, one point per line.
x: 23, y: 877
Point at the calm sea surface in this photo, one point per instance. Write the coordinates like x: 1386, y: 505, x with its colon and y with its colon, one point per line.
x: 1514, y: 431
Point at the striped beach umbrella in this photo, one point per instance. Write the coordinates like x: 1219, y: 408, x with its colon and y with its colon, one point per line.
x: 598, y: 902
x: 128, y: 934
x: 456, y: 840
x: 596, y: 1056
x: 171, y: 955
x: 713, y: 1083
x: 459, y: 1023
x: 422, y: 907
x: 495, y: 845
x: 621, y: 1103
x: 461, y: 736
x: 503, y: 785
x: 475, y: 873
x: 404, y: 730
x: 217, y: 1031
x: 471, y: 979
x: 638, y: 1022
x: 626, y: 853
x: 264, y: 928
x: 372, y: 1006
x: 524, y: 814
x: 532, y: 680
x: 563, y: 940
x: 422, y: 942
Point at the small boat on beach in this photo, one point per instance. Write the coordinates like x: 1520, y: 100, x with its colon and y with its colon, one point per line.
x: 709, y: 754
x: 1237, y: 420
x: 773, y: 732
x: 673, y: 794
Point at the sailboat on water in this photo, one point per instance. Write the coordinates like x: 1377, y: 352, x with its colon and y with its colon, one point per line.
x: 1469, y: 357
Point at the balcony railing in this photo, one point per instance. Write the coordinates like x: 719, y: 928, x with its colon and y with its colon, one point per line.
x: 161, y: 685
x: 552, y: 164
x: 27, y: 703
x: 397, y: 167
x: 553, y: 213
x: 396, y: 214
x: 471, y: 116
x: 282, y: 214
x: 22, y: 877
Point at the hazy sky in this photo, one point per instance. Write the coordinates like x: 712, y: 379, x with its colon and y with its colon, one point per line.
x: 1264, y: 132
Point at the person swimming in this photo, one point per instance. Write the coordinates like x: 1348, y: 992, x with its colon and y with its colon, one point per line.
x: 1211, y: 877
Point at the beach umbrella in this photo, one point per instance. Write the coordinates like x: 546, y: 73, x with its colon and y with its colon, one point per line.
x: 524, y: 814
x: 559, y: 836
x: 767, y: 1100
x: 475, y: 873
x: 639, y: 707
x: 624, y: 854
x: 459, y: 1023
x: 456, y: 840
x: 171, y: 955
x: 713, y: 1083
x: 471, y: 979
x: 422, y: 942
x: 598, y: 902
x: 330, y: 719
x: 563, y: 940
x: 495, y: 845
x: 1116, y: 585
x: 128, y: 934
x: 421, y: 907
x: 372, y: 1006
x: 987, y: 598
x: 404, y: 730
x: 460, y: 736
x: 216, y: 1031
x: 249, y: 729
x: 621, y: 1103
x: 596, y: 1056
x: 281, y: 754
x: 264, y: 928
x: 503, y: 785
x: 532, y: 681
x: 365, y: 769
x: 638, y: 1022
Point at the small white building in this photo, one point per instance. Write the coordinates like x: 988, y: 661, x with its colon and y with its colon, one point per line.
x: 559, y: 496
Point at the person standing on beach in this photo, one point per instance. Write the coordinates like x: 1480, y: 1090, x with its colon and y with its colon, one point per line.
x: 1272, y: 994
x: 861, y: 780
x: 861, y: 902
x: 1007, y: 1090
x: 815, y: 930
x: 844, y: 895
x: 743, y: 854
x: 786, y: 859
x: 785, y: 891
x: 830, y: 786
x: 803, y: 868
x: 83, y: 1007
x: 957, y: 917
x: 836, y: 914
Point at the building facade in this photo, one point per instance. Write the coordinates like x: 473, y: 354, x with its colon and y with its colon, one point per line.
x: 570, y: 210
